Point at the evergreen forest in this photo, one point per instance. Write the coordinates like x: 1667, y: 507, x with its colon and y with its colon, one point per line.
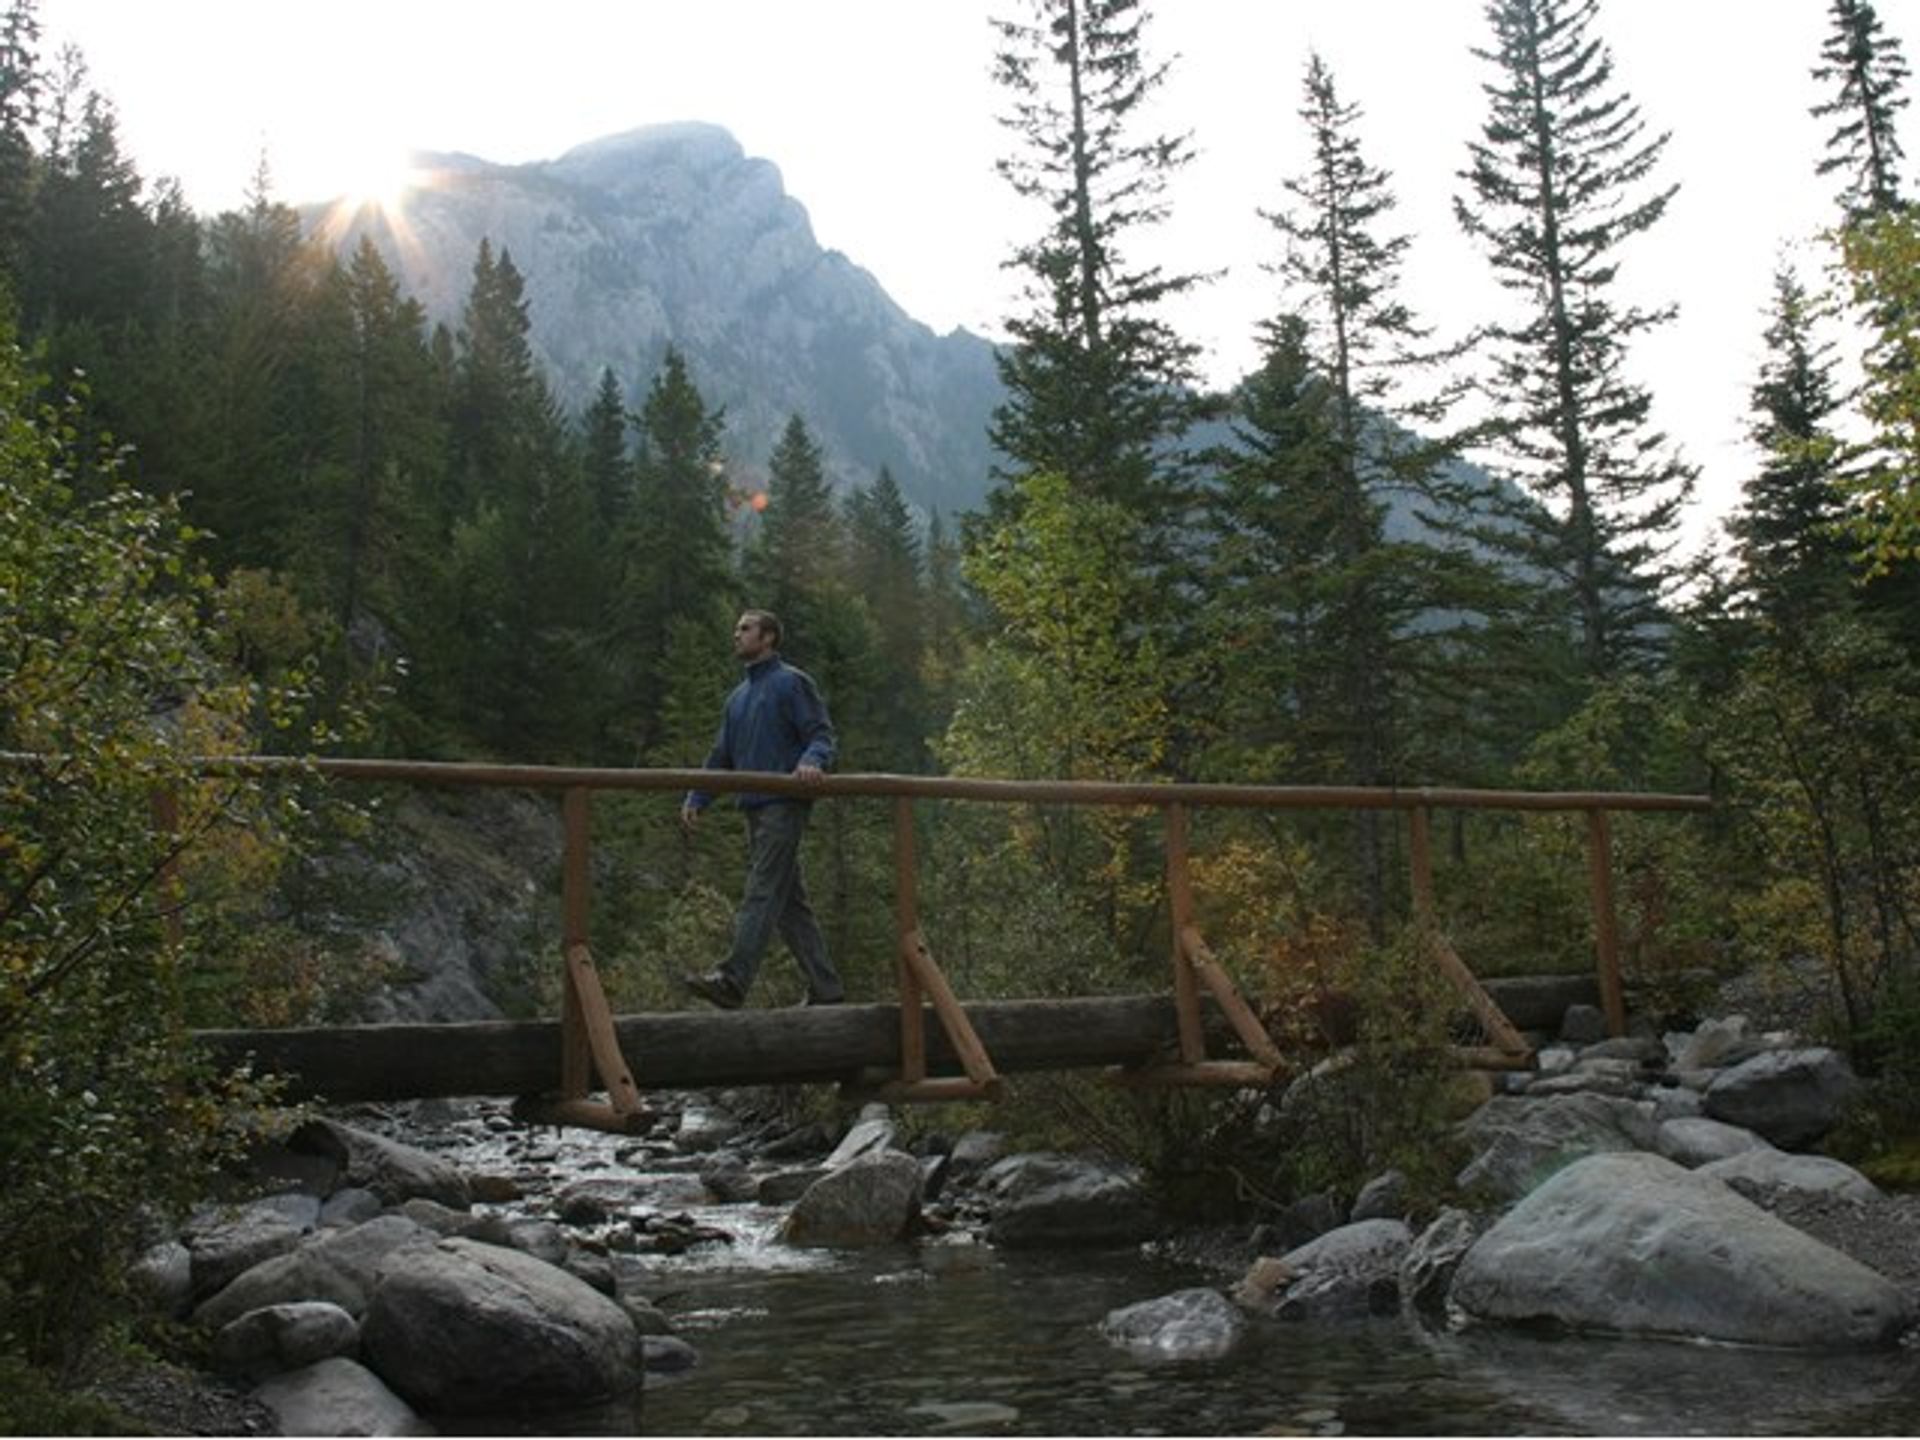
x: 252, y: 501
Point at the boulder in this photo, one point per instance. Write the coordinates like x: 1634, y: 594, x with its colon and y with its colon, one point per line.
x: 728, y: 1180
x: 1712, y: 1044
x: 1764, y: 1171
x: 1698, y: 1141
x: 226, y: 1240
x: 337, y: 1265
x: 783, y: 1187
x: 597, y: 1199
x: 705, y: 1127
x: 1636, y: 1244
x: 1382, y: 1198
x: 667, y: 1355
x: 163, y: 1277
x: 1428, y: 1266
x: 1347, y: 1273
x: 869, y: 1201
x: 338, y: 1397
x: 393, y: 1171
x: 541, y: 1239
x: 278, y: 1338
x: 466, y: 1327
x: 973, y: 1152
x: 1792, y: 1097
x: 871, y: 1133
x: 1061, y: 1200
x: 351, y: 1206
x: 1583, y: 1025
x: 1197, y: 1324
x: 1521, y: 1141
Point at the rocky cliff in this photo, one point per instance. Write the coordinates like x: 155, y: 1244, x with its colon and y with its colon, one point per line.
x: 673, y: 235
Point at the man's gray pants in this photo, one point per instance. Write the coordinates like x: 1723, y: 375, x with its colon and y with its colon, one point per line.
x: 776, y: 900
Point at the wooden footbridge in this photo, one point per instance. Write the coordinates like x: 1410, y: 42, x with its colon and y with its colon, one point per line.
x: 1200, y: 1031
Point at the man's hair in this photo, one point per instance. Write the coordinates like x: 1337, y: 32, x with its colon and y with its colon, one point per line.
x: 768, y: 622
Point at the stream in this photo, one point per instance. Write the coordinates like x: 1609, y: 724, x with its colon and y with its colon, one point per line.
x: 950, y: 1336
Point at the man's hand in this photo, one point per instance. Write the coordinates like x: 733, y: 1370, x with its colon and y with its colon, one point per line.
x: 689, y: 817
x: 807, y: 771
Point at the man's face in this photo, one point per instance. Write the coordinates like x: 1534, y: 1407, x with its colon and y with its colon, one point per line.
x: 750, y: 642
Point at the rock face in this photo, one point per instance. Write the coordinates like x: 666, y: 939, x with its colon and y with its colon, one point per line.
x: 1792, y: 1097
x: 1046, y: 1199
x: 471, y: 1327
x: 1764, y: 1170
x: 1634, y: 1243
x: 672, y: 235
x: 1198, y: 1324
x: 868, y: 1201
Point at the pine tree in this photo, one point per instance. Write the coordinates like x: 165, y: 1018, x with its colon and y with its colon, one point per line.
x: 1097, y: 385
x: 672, y: 568
x: 1870, y: 72
x: 603, y: 450
x: 21, y: 86
x: 798, y: 550
x: 884, y: 564
x: 1559, y: 185
x: 1793, y: 557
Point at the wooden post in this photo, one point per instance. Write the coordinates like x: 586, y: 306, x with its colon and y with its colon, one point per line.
x: 1186, y: 990
x: 1420, y: 822
x: 1606, y: 933
x: 906, y: 910
x: 575, y: 903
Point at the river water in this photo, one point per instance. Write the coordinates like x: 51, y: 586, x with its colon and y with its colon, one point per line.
x: 949, y: 1336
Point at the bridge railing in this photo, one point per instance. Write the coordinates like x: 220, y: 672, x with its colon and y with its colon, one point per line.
x: 589, y: 1043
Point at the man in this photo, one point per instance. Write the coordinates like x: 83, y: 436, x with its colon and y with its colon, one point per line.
x: 775, y: 721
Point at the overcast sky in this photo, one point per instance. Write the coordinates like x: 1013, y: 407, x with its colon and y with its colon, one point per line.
x: 880, y: 116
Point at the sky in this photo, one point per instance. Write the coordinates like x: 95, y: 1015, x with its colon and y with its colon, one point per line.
x: 880, y: 115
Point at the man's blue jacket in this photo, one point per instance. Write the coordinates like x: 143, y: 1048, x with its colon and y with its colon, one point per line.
x: 774, y: 720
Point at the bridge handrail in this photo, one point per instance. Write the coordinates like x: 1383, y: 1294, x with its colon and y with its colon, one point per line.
x: 937, y: 787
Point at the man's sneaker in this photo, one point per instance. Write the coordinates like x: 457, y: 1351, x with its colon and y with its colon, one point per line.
x: 813, y: 999
x: 715, y: 989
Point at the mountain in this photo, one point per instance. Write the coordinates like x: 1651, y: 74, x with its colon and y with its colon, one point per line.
x: 673, y: 235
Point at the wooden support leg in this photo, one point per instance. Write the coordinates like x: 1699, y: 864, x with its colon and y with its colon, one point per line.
x: 906, y: 907
x: 587, y: 1039
x: 1186, y: 990
x: 1485, y: 1009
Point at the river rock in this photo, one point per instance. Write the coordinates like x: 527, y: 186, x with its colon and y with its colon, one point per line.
x: 278, y: 1338
x: 595, y: 1199
x: 1521, y: 1141
x: 667, y: 1355
x: 1429, y: 1264
x: 1197, y: 1324
x: 1062, y: 1200
x: 1765, y: 1171
x: 1792, y: 1097
x: 1713, y: 1044
x: 1583, y: 1025
x: 783, y: 1187
x: 163, y: 1277
x: 973, y: 1152
x: 225, y: 1240
x: 338, y: 1397
x: 336, y: 1265
x: 472, y: 1328
x: 868, y: 1201
x: 728, y: 1180
x: 1347, y: 1273
x: 1382, y: 1198
x: 1699, y: 1141
x: 542, y: 1239
x: 393, y: 1171
x: 872, y: 1132
x: 353, y: 1205
x: 1634, y: 1243
x: 705, y: 1127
